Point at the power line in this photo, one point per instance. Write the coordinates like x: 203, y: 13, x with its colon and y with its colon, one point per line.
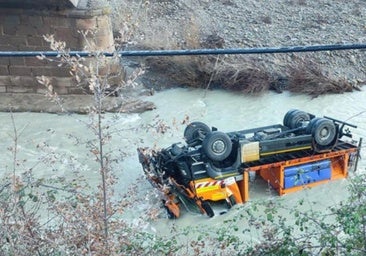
x: 146, y: 53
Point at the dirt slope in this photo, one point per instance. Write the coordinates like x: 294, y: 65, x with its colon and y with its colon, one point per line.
x: 251, y: 23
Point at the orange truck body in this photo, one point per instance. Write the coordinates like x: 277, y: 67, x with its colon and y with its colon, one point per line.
x: 337, y: 163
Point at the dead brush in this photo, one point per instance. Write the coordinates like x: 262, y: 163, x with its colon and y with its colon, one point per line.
x: 307, y: 77
x: 242, y: 75
x: 237, y: 74
x: 192, y: 71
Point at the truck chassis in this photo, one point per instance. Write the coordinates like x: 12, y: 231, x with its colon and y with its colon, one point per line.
x: 211, y: 165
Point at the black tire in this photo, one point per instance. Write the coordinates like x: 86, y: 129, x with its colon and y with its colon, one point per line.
x: 217, y: 145
x: 230, y: 202
x: 194, y: 131
x: 296, y: 119
x: 207, y: 208
x: 324, y: 132
x: 285, y: 118
x: 311, y: 125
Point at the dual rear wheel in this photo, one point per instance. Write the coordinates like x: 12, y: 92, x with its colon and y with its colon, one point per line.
x: 323, y: 131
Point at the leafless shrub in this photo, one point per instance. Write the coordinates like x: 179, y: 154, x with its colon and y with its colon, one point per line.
x: 183, y: 70
x: 305, y: 76
x: 63, y: 217
x: 246, y: 77
x: 239, y: 74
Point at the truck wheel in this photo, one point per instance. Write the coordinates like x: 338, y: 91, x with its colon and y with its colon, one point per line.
x: 230, y: 202
x: 285, y: 119
x: 324, y: 132
x: 195, y: 130
x: 217, y: 145
x: 296, y: 118
x: 208, y: 209
x: 311, y: 125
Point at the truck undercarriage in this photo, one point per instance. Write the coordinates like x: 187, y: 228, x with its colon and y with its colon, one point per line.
x: 212, y: 165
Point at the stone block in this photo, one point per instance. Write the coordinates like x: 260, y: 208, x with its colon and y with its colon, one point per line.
x: 26, y: 30
x: 44, y: 30
x: 9, y: 48
x: 67, y: 35
x: 18, y: 42
x: 76, y: 90
x: 64, y: 82
x: 105, y: 42
x: 20, y: 89
x: 2, y: 88
x: 9, y: 29
x: 104, y: 23
x: 5, y: 61
x: 60, y: 72
x: 17, y: 61
x: 61, y: 90
x: 31, y: 20
x: 12, y: 20
x: 26, y: 81
x: 35, y: 40
x: 51, y: 71
x: 55, y: 21
x: 20, y: 71
x: 4, y: 70
x: 35, y: 62
x: 5, y: 80
x: 41, y: 90
x: 86, y: 24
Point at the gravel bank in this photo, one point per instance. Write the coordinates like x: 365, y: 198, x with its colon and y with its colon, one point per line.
x: 251, y: 23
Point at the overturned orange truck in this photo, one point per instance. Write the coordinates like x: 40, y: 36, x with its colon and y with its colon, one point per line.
x: 211, y: 165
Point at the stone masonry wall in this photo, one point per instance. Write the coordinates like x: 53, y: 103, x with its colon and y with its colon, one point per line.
x: 23, y: 30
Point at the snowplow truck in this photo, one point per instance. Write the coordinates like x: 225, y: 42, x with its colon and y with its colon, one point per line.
x: 211, y: 165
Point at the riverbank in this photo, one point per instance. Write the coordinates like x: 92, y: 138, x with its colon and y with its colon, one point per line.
x: 80, y: 104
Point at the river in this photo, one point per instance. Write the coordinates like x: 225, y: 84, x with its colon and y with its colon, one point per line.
x: 42, y: 134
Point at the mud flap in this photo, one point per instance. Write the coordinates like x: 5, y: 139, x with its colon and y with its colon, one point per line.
x: 206, y: 208
x: 172, y: 209
x: 233, y: 190
x: 230, y: 201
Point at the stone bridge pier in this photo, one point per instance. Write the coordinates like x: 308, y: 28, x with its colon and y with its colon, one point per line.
x: 22, y: 26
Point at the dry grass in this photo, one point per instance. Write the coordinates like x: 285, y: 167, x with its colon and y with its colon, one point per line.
x: 307, y: 77
x: 247, y: 76
x: 243, y: 75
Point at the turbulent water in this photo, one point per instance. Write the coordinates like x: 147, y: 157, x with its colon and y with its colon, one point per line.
x: 41, y: 134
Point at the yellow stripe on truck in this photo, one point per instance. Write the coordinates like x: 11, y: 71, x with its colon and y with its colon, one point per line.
x: 285, y: 150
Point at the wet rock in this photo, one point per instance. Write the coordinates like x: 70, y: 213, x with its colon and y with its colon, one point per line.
x: 135, y: 106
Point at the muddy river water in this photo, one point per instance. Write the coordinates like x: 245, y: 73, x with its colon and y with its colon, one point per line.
x: 225, y: 110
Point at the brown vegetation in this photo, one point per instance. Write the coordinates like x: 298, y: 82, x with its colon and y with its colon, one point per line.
x: 192, y: 26
x: 248, y: 76
x: 307, y: 77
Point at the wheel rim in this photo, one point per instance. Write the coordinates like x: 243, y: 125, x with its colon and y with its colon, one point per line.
x: 324, y: 133
x: 218, y: 147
